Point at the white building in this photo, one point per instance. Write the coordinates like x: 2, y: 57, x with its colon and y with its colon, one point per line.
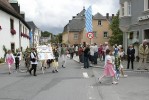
x: 12, y: 25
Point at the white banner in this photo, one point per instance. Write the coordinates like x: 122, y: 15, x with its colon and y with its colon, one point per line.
x: 45, y: 52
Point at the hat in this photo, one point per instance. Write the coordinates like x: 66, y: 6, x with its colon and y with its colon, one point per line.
x: 33, y: 49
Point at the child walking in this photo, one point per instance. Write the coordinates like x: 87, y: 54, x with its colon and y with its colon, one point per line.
x: 117, y: 64
x: 108, y: 68
x: 9, y: 60
x: 17, y: 61
x: 55, y: 61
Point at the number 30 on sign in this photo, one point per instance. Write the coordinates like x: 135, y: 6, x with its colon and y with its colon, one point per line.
x: 90, y: 35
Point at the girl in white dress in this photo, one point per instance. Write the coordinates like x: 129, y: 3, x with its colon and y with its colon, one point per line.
x: 9, y: 59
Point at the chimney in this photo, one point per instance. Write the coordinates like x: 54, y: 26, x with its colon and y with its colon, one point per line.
x: 22, y: 14
x: 15, y: 5
x: 107, y: 15
x: 73, y: 17
x: 112, y: 16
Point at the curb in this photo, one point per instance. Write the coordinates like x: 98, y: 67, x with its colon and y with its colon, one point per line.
x: 2, y: 64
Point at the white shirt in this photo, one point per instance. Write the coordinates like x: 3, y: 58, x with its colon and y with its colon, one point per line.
x: 95, y: 48
x: 91, y: 50
x: 9, y: 56
x: 20, y: 57
x: 108, y: 57
x: 76, y: 48
x: 32, y: 56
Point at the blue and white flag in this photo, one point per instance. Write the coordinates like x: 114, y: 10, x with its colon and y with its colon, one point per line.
x: 88, y: 19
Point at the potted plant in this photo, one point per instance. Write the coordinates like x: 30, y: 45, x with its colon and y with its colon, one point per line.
x: 13, y: 32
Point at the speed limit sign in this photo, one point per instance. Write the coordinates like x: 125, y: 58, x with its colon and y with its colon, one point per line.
x: 90, y: 35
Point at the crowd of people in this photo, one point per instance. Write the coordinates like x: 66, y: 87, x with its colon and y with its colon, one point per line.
x: 88, y: 55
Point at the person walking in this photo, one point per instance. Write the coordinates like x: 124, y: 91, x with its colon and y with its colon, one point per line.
x: 9, y: 59
x: 71, y: 51
x: 130, y: 56
x: 100, y: 52
x: 91, y: 57
x: 64, y: 52
x: 76, y: 50
x: 55, y: 61
x: 108, y: 68
x: 86, y: 56
x: 143, y: 52
x: 80, y: 53
x: 95, y: 53
x: 34, y: 61
x: 19, y: 54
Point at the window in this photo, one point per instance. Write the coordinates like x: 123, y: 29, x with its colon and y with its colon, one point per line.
x: 11, y: 24
x: 99, y: 22
x: 105, y: 34
x: 131, y: 35
x: 76, y: 36
x: 122, y: 9
x: 13, y: 47
x: 129, y: 8
x: 25, y: 30
x: 95, y: 34
x: 146, y: 5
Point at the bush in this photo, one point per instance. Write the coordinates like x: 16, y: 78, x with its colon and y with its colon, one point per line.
x: 2, y: 60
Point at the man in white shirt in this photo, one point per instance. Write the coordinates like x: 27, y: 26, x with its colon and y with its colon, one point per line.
x: 34, y: 61
x: 95, y: 53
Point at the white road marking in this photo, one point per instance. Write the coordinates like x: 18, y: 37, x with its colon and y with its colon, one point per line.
x: 85, y: 75
x: 91, y: 98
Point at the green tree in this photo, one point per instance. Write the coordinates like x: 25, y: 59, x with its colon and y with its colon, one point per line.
x: 117, y: 34
x: 60, y: 37
x: 45, y: 34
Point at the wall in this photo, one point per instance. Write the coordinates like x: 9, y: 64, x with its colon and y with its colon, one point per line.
x: 5, y: 36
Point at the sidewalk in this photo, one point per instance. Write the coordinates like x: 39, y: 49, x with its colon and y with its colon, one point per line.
x: 124, y: 63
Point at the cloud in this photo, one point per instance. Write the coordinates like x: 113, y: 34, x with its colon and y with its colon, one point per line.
x: 53, y: 15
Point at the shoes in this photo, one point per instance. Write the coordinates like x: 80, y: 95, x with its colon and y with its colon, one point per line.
x: 29, y: 72
x: 53, y: 71
x: 114, y: 82
x: 63, y: 66
x: 99, y: 81
x: 145, y: 69
x: 35, y: 75
x: 56, y: 70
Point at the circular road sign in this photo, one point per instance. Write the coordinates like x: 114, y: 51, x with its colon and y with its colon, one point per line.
x: 90, y: 35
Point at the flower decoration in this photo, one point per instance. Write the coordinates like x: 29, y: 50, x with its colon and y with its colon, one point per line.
x: 13, y: 32
x: 25, y: 35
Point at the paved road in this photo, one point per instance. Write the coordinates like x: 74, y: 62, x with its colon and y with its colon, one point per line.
x: 68, y: 84
x: 72, y: 83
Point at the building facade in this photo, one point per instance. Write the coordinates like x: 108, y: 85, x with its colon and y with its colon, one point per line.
x: 134, y: 22
x: 11, y: 26
x: 35, y: 34
x: 75, y: 32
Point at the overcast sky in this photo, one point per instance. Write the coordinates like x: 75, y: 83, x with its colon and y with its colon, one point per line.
x: 53, y: 15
